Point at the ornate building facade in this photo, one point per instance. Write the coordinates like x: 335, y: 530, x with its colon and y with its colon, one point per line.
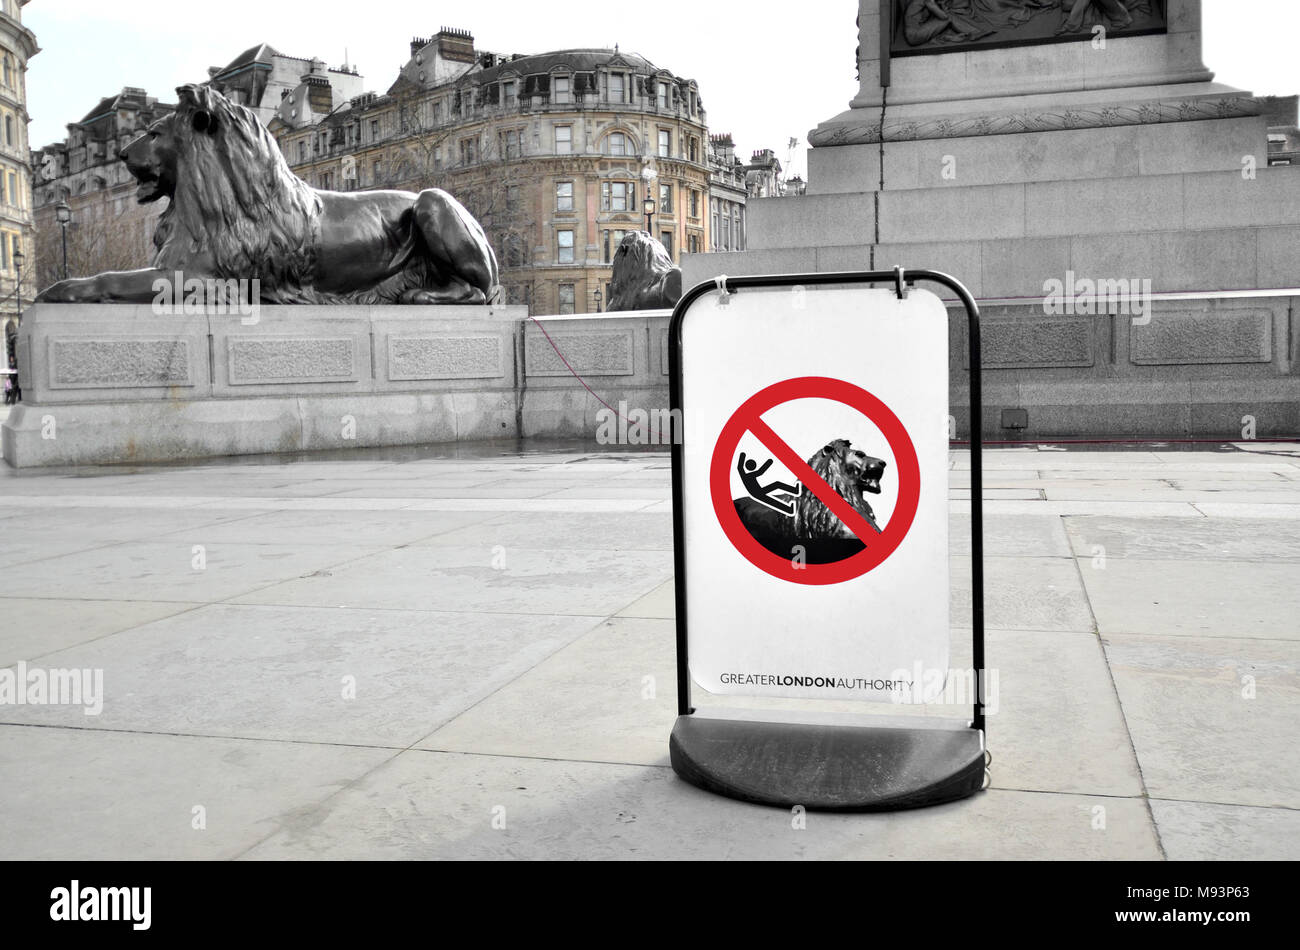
x: 17, y: 46
x: 555, y: 153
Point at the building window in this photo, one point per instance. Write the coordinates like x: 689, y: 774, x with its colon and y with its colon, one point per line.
x: 560, y: 90
x: 667, y: 238
x: 616, y: 88
x: 665, y: 198
x: 9, y: 130
x: 512, y: 197
x: 665, y: 143
x: 717, y: 226
x: 564, y: 196
x: 695, y: 203
x: 693, y: 243
x: 376, y: 170
x: 612, y: 240
x: 9, y: 71
x: 302, y: 151
x: 13, y: 188
x: 510, y: 143
x: 617, y: 196
x: 374, y: 130
x: 509, y: 93
x: 327, y: 181
x: 567, y: 298
x: 563, y: 139
x: 694, y: 150
x: 564, y: 244
x: 468, y: 151
x: 617, y: 143
x: 663, y: 95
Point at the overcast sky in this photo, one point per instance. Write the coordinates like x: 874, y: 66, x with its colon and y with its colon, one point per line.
x: 768, y: 72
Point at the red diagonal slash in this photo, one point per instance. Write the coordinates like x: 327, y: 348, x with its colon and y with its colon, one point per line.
x: 811, y: 480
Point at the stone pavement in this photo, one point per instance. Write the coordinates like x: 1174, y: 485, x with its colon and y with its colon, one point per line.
x: 376, y: 655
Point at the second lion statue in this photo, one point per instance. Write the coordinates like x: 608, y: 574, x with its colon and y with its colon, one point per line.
x: 237, y: 212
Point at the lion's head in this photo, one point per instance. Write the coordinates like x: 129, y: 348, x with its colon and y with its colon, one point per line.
x: 236, y: 207
x: 850, y: 473
x: 152, y: 160
x: 644, y: 277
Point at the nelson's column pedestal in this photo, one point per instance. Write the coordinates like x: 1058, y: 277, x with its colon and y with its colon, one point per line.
x: 1025, y: 147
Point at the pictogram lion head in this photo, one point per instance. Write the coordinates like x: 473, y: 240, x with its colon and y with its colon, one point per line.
x: 851, y: 473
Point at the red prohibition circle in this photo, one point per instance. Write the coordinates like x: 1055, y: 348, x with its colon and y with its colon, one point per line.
x: 878, y: 547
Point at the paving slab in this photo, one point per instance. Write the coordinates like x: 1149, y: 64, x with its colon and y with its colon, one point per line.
x: 1189, y: 598
x: 1197, y: 735
x: 358, y: 677
x: 436, y: 805
x: 109, y: 796
x: 660, y: 603
x: 579, y: 580
x: 1018, y: 535
x: 1023, y: 593
x: 160, y: 571
x: 343, y: 528
x: 618, y: 531
x: 611, y: 697
x: 1215, y: 539
x: 1204, y: 831
x: 35, y: 627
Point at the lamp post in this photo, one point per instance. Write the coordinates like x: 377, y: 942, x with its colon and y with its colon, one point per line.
x: 649, y: 208
x: 63, y: 214
x: 19, y: 257
x: 598, y: 298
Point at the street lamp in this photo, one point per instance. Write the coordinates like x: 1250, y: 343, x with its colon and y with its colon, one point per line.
x: 649, y: 208
x: 598, y: 298
x: 63, y: 214
x: 19, y: 257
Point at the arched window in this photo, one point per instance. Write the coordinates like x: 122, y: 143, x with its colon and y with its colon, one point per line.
x: 616, y: 143
x: 9, y: 70
x: 9, y: 130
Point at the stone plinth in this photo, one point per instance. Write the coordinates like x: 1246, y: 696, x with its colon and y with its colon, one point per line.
x: 1010, y: 168
x: 105, y: 384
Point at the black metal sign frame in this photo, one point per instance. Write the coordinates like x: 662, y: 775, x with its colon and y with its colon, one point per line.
x: 731, y: 737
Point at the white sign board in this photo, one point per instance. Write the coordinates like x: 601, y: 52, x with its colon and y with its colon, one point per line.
x: 815, y: 491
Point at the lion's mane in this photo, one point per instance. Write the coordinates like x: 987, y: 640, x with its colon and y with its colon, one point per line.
x: 237, y: 201
x: 643, y: 277
x: 812, y: 519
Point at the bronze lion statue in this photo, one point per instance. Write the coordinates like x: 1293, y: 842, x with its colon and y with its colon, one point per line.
x: 644, y: 277
x: 237, y: 212
x: 813, y: 527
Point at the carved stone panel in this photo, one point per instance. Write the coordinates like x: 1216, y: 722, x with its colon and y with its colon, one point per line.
x: 1172, y: 339
x: 445, y: 357
x: 945, y: 26
x: 255, y: 360
x: 119, y: 364
x: 589, y: 353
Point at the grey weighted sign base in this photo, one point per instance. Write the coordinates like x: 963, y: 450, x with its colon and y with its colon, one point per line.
x: 827, y: 768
